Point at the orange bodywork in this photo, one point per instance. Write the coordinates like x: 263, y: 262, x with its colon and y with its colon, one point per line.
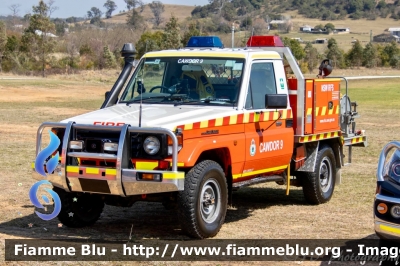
x: 321, y: 105
x: 258, y: 142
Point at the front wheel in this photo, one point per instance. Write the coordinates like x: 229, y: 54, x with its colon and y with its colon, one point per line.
x: 203, y: 202
x: 319, y: 185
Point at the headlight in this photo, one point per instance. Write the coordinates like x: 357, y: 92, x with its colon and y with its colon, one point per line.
x: 395, y: 211
x: 393, y: 166
x: 151, y: 145
x: 110, y: 146
x: 76, y: 144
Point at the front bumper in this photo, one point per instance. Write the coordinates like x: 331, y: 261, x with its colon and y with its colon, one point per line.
x: 121, y: 180
x: 104, y: 181
x: 386, y: 229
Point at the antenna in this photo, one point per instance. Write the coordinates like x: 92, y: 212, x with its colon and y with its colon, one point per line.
x: 141, y: 91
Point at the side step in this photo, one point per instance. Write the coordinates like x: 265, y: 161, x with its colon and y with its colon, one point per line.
x: 258, y: 180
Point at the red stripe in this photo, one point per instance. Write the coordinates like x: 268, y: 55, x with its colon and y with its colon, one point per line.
x: 226, y: 120
x: 196, y: 125
x: 240, y: 119
x: 271, y: 116
x: 251, y: 118
x: 211, y: 123
x: 261, y: 117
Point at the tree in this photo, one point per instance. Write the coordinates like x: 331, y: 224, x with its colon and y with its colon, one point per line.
x: 381, y: 4
x: 355, y: 55
x: 218, y: 4
x: 51, y: 8
x: 335, y: 54
x: 141, y: 5
x: 329, y: 26
x: 3, y: 42
x: 319, y: 27
x: 94, y: 14
x: 311, y: 57
x: 171, y: 36
x: 12, y: 52
x: 295, y: 47
x: 148, y: 42
x: 15, y: 10
x: 191, y: 31
x: 390, y: 54
x: 228, y: 12
x: 37, y: 37
x: 109, y: 58
x: 134, y: 19
x: 370, y: 56
x: 130, y: 4
x: 110, y: 6
x: 157, y: 8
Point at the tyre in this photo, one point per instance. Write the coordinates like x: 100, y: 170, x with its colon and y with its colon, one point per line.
x: 203, y: 202
x: 318, y: 186
x: 79, y: 209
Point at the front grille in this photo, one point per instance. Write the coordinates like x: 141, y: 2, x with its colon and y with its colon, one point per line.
x: 94, y: 145
x: 136, y: 146
x: 94, y: 140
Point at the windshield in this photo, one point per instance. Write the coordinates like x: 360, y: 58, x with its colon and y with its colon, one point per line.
x: 173, y: 80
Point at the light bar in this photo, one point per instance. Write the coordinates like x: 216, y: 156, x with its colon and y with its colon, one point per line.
x: 265, y: 41
x: 205, y: 41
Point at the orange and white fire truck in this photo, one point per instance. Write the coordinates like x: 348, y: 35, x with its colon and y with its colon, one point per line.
x: 189, y: 126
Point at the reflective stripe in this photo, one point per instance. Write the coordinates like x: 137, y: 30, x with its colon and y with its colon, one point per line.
x: 260, y: 171
x: 240, y: 119
x: 94, y: 171
x: 389, y: 229
x: 315, y: 137
x: 179, y: 175
x: 111, y: 171
x: 146, y: 165
x: 72, y: 169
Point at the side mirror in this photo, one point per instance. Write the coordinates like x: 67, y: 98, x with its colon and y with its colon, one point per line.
x: 106, y: 95
x: 276, y: 101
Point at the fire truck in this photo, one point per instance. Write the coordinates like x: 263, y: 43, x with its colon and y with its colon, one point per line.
x: 187, y: 127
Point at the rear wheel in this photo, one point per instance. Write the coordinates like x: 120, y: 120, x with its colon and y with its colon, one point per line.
x: 318, y: 186
x: 203, y: 202
x: 79, y: 209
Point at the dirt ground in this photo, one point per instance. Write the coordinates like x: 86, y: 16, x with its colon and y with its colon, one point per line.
x: 258, y: 212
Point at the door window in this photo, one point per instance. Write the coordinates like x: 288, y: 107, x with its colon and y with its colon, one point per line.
x: 262, y: 81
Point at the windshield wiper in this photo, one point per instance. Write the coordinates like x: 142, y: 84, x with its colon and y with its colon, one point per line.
x: 209, y: 99
x: 186, y: 102
x: 145, y: 98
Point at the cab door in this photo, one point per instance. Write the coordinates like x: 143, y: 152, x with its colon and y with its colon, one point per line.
x: 269, y: 138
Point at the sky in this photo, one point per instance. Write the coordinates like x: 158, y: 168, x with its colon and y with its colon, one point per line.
x: 79, y: 8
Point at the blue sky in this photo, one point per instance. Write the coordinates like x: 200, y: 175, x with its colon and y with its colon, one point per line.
x: 78, y: 8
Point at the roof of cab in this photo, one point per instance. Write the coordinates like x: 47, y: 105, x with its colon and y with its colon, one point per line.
x: 253, y: 53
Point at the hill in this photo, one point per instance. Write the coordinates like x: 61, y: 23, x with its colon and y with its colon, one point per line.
x: 181, y: 12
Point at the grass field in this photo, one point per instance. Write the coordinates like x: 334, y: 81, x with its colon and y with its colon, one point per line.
x: 261, y: 211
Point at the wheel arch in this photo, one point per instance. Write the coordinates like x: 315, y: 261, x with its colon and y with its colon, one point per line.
x: 337, y: 149
x: 222, y: 156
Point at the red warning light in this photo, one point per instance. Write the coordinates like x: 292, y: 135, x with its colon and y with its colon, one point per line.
x: 264, y: 41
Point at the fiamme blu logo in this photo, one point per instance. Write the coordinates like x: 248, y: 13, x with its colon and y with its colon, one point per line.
x: 46, y: 161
